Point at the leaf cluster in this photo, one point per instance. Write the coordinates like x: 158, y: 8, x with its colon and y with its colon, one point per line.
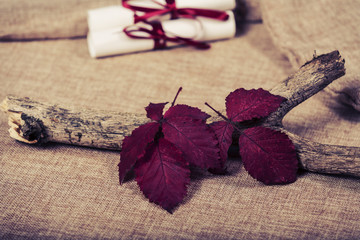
x: 161, y: 151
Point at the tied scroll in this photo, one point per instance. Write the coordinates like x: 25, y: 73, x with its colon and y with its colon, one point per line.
x: 116, y: 41
x: 119, y: 16
x: 120, y: 30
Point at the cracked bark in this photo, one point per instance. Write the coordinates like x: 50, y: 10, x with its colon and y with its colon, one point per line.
x: 34, y: 122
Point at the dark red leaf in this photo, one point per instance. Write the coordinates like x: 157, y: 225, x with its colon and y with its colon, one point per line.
x: 268, y: 155
x: 163, y: 175
x: 223, y: 131
x: 242, y: 105
x: 154, y: 111
x: 181, y: 110
x: 134, y: 147
x: 195, y: 139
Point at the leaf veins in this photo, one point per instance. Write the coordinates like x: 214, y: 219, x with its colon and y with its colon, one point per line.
x: 163, y: 174
x: 268, y: 155
x: 134, y: 146
x: 223, y: 131
x: 194, y: 138
x: 242, y: 105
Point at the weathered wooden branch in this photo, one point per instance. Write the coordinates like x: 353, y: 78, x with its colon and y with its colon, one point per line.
x: 311, y: 78
x: 34, y: 122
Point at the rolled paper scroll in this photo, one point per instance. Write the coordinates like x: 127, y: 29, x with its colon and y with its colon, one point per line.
x: 115, y: 41
x: 118, y: 16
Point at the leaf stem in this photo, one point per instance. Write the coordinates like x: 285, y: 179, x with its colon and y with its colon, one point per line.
x: 177, y: 94
x: 225, y: 118
x: 218, y: 113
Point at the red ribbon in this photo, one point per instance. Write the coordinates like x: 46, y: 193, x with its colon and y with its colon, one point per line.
x: 170, y: 7
x: 159, y: 36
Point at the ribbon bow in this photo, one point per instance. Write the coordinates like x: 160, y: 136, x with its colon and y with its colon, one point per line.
x: 170, y: 7
x: 159, y: 36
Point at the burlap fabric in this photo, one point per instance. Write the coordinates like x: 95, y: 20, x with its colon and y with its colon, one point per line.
x: 39, y: 19
x: 64, y: 192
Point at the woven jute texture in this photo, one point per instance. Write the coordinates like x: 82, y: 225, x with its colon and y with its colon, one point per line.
x: 40, y: 19
x: 59, y: 191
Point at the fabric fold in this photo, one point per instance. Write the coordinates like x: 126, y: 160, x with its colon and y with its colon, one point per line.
x: 304, y: 29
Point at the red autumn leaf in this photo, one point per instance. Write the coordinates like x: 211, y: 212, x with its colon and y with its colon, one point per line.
x: 163, y: 175
x: 242, y: 105
x: 268, y: 155
x: 223, y: 131
x: 154, y: 111
x: 134, y: 146
x: 181, y: 110
x: 194, y: 138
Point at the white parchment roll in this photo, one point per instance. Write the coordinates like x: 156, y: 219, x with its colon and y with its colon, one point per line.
x: 114, y: 41
x: 117, y: 16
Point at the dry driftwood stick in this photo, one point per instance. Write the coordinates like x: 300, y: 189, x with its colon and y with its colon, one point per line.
x: 34, y: 122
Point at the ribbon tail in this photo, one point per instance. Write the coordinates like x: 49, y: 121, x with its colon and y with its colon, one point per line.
x: 145, y: 17
x: 196, y: 44
x: 208, y: 13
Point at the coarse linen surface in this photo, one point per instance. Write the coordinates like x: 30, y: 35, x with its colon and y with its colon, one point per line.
x: 59, y: 191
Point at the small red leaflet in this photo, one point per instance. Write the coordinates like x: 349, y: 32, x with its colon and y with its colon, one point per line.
x: 155, y: 110
x: 160, y: 152
x: 134, y: 146
x: 163, y: 174
x: 223, y: 131
x: 268, y: 155
x: 244, y: 104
